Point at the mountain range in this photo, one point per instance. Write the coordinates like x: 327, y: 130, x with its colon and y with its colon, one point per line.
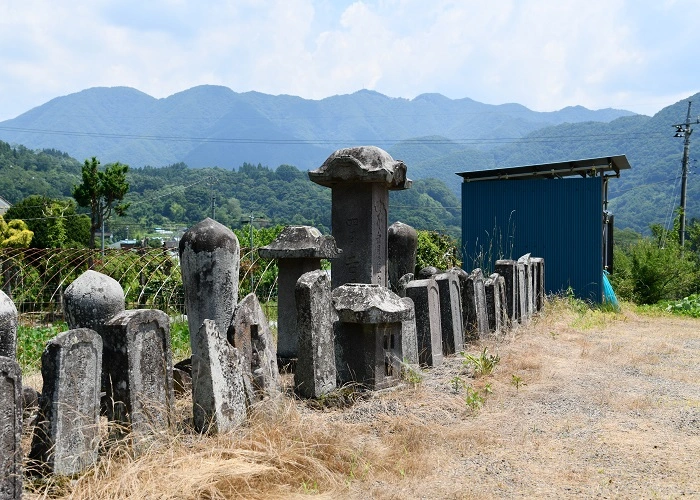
x: 436, y: 136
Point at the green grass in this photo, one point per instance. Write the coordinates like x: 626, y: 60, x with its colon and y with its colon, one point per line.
x: 180, y: 339
x: 31, y: 341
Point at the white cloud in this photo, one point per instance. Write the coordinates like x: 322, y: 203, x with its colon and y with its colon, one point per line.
x: 546, y: 55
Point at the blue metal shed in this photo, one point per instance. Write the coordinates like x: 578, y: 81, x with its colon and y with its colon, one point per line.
x: 557, y: 211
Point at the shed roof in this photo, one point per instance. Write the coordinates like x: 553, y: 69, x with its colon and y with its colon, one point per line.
x: 585, y: 168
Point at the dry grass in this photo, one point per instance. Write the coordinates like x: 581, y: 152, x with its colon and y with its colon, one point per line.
x: 608, y: 405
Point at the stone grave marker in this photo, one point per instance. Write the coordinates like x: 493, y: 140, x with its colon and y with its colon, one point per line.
x: 508, y: 270
x: 315, y: 373
x: 450, y: 312
x: 538, y: 273
x: 8, y: 327
x: 403, y: 245
x: 527, y: 276
x: 209, y: 261
x: 476, y: 322
x: 369, y: 344
x: 425, y: 295
x: 523, y: 317
x: 10, y: 429
x: 137, y: 363
x: 493, y: 303
x: 66, y: 436
x: 91, y: 300
x: 298, y: 250
x: 360, y: 179
x: 218, y: 391
x: 254, y: 341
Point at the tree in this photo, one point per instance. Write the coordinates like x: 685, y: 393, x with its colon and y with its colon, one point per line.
x: 55, y: 222
x: 101, y: 192
x: 14, y: 234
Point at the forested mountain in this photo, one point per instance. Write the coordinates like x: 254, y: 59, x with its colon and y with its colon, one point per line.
x: 175, y: 197
x: 211, y: 126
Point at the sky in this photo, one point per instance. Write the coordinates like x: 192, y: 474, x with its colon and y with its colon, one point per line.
x: 639, y: 55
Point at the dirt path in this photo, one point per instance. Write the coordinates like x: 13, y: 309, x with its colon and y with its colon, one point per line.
x: 610, y: 408
x: 606, y: 406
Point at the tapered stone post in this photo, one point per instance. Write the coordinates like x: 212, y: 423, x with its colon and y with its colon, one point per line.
x: 298, y: 250
x: 209, y: 261
x: 360, y: 179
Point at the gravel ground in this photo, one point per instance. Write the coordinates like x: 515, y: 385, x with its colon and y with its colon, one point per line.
x: 608, y: 407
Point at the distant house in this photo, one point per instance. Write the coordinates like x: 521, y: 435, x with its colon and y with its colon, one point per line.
x: 557, y: 211
x: 4, y: 205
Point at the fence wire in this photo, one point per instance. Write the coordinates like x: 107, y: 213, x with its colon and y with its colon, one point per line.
x: 36, y: 278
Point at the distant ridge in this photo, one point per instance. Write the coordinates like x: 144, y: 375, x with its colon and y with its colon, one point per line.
x: 212, y: 125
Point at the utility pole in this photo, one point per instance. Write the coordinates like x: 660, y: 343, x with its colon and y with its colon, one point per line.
x: 684, y: 130
x: 213, y: 198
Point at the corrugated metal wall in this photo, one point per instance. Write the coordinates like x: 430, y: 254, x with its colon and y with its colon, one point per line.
x: 557, y: 219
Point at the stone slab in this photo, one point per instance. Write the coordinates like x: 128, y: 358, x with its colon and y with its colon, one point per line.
x: 451, y: 317
x: 8, y: 327
x: 66, y: 437
x: 315, y: 373
x: 254, y: 341
x: 425, y: 295
x: 218, y: 389
x: 10, y: 429
x: 137, y: 363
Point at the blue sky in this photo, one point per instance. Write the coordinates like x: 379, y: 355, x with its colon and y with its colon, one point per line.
x: 640, y: 55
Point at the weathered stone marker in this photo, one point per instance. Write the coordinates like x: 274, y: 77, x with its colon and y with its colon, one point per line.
x: 298, y: 250
x: 315, y: 373
x: 137, y: 363
x: 8, y: 327
x: 91, y: 300
x: 450, y: 312
x: 538, y: 273
x: 525, y: 274
x: 403, y: 245
x: 360, y: 179
x: 368, y: 334
x: 218, y: 392
x: 476, y: 322
x: 253, y: 339
x: 10, y: 429
x: 425, y: 295
x: 66, y: 436
x: 209, y: 261
x: 522, y: 292
x: 508, y: 269
x: 493, y: 303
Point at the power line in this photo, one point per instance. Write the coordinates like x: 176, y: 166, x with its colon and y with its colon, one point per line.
x: 321, y: 142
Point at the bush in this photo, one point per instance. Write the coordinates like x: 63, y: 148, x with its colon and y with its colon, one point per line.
x: 654, y: 269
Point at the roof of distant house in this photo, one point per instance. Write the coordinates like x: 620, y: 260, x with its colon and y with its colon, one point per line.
x: 4, y: 205
x: 586, y: 168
